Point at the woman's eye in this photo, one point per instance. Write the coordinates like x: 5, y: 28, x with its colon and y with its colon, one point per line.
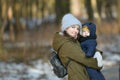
x: 75, y: 27
x: 78, y: 29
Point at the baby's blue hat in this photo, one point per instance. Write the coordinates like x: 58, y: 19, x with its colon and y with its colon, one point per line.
x: 69, y: 20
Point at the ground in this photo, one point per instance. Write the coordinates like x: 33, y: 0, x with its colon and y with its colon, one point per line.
x: 35, y: 44
x: 112, y: 73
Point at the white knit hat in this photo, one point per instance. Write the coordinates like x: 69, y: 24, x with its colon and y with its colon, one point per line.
x: 69, y: 20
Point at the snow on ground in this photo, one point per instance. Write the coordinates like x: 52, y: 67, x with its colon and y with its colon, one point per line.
x: 39, y: 70
x: 36, y: 70
x: 111, y: 49
x: 111, y: 59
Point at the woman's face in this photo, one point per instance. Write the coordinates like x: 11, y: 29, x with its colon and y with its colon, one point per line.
x: 73, y: 31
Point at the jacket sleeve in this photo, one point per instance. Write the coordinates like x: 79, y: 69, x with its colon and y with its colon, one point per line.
x: 75, y: 53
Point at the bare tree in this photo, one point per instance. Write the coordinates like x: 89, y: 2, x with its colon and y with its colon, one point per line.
x: 43, y: 8
x: 0, y: 28
x: 61, y: 7
x: 3, y: 17
x: 10, y: 18
x: 17, y: 16
x: 108, y: 9
x: 119, y: 15
x: 24, y: 14
x: 96, y: 14
x: 89, y: 9
x: 11, y: 28
x: 99, y: 6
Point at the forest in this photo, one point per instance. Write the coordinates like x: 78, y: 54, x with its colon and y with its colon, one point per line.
x: 27, y: 28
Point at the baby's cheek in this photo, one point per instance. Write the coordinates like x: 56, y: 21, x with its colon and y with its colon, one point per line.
x: 88, y: 34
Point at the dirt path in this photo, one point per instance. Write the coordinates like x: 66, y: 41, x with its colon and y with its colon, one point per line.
x: 112, y: 73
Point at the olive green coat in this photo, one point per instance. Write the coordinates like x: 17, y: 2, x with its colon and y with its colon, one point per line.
x: 70, y: 49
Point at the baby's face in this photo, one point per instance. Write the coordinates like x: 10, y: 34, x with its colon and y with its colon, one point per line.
x: 85, y: 33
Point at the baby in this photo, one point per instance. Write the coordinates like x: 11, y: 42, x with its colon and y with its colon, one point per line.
x: 88, y: 43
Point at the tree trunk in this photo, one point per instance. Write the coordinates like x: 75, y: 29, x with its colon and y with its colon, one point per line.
x: 0, y: 28
x: 42, y: 9
x: 24, y: 14
x: 17, y: 17
x: 3, y: 17
x: 118, y: 15
x: 75, y: 7
x: 34, y: 10
x: 99, y: 6
x: 96, y: 15
x: 89, y: 9
x: 61, y: 7
x: 10, y: 17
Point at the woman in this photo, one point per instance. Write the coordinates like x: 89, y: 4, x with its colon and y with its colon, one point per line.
x: 65, y: 42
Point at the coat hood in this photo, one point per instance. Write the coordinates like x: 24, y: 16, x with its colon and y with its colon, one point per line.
x: 59, y: 40
x: 92, y: 28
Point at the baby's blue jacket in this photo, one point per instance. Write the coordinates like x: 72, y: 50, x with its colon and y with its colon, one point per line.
x: 88, y: 44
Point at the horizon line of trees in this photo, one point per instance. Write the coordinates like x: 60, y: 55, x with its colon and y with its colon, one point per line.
x: 12, y: 11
